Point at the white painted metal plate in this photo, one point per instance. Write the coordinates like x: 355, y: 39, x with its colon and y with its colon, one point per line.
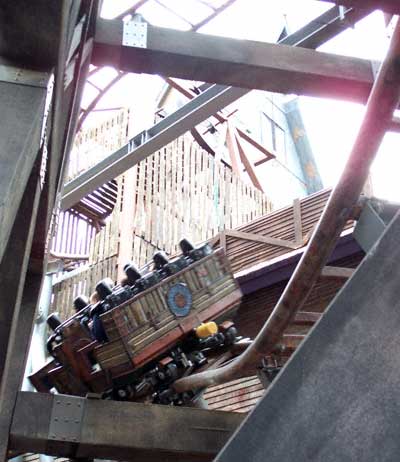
x: 134, y: 34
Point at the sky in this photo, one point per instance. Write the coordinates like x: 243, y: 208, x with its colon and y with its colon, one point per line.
x: 331, y: 125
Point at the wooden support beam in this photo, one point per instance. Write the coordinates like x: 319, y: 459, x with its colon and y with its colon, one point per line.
x: 215, y: 13
x: 176, y: 86
x: 286, y: 345
x: 261, y: 239
x: 201, y: 141
x: 307, y: 318
x: 240, y: 63
x: 126, y: 221
x: 233, y: 150
x: 247, y: 163
x: 268, y: 154
x: 68, y: 256
x: 214, y: 241
x: 222, y: 239
x: 119, y: 431
x: 132, y: 9
x: 291, y: 341
x: 389, y: 6
x: 221, y: 119
x: 260, y: 161
x: 298, y: 228
x: 337, y: 272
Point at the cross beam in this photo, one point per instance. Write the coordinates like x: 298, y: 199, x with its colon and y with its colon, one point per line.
x: 91, y: 428
x: 241, y: 63
x: 149, y: 141
x: 211, y: 100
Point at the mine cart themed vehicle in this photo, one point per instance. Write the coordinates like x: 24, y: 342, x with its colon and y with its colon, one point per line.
x: 133, y: 340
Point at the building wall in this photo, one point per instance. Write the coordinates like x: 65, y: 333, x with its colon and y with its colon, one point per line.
x: 99, y: 136
x: 264, y: 116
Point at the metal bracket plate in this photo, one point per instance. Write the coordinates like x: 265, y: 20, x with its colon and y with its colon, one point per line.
x: 134, y: 34
x: 66, y: 418
x: 11, y: 74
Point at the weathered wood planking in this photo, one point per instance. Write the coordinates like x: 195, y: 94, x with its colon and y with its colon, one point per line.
x: 74, y: 231
x: 239, y: 395
x: 72, y: 237
x: 176, y: 195
x: 82, y: 283
x: 96, y: 140
x: 277, y: 232
x: 179, y: 191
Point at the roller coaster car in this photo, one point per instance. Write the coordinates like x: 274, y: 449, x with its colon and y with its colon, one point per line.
x: 133, y: 340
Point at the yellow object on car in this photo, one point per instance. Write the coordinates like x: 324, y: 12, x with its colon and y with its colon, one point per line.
x: 206, y: 329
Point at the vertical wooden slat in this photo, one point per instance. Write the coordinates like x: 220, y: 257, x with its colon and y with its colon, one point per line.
x: 192, y: 180
x: 147, y: 198
x: 227, y: 186
x: 173, y: 205
x: 198, y: 174
x: 179, y: 194
x: 162, y: 217
x: 126, y: 222
x: 298, y: 231
x: 154, y: 198
x: 141, y: 200
x: 185, y: 188
x: 167, y: 199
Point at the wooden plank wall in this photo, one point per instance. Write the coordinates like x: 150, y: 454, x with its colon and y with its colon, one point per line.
x: 98, y: 137
x: 181, y: 191
x: 81, y: 283
x: 73, y: 235
x: 256, y: 307
x: 239, y: 395
x: 103, y: 243
x: 280, y: 224
x: 79, y: 236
